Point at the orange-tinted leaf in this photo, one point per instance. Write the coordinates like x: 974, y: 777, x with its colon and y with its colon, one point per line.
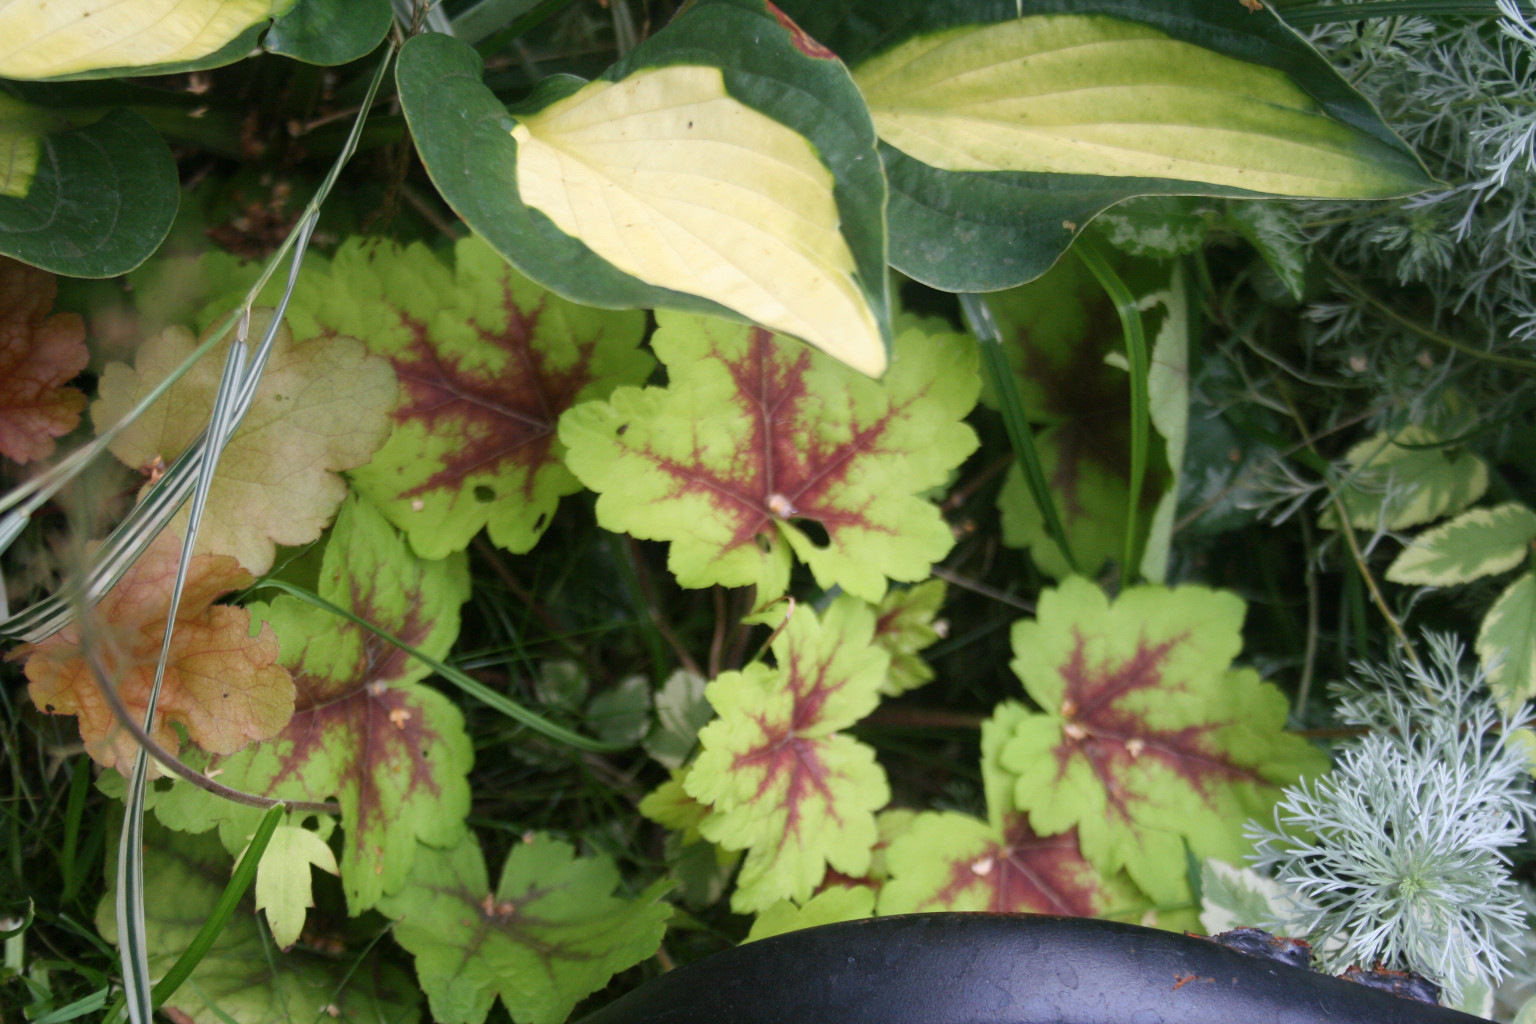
x: 222, y: 684
x: 38, y: 353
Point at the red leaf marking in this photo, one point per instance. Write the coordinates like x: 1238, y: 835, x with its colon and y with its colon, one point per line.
x: 496, y: 418
x: 802, y: 42
x: 1098, y: 728
x: 1026, y: 873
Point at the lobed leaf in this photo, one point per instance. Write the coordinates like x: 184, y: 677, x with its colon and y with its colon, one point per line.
x: 549, y: 934
x: 756, y: 442
x: 827, y: 907
x: 38, y: 354
x: 222, y: 685
x: 283, y: 881
x: 906, y: 624
x: 780, y: 780
x: 322, y: 407
x: 1149, y: 741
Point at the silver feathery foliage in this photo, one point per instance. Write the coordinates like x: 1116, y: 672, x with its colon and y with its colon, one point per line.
x: 1399, y: 854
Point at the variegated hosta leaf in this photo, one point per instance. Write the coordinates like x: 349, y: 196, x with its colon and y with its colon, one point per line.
x: 701, y: 173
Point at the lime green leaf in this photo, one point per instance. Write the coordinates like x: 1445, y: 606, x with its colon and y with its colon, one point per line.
x: 487, y: 362
x: 1482, y: 542
x: 393, y: 752
x: 951, y: 861
x: 1506, y: 642
x: 1405, y: 479
x: 322, y: 407
x: 1149, y: 740
x: 282, y: 879
x: 1007, y: 127
x: 329, y: 32
x: 699, y: 173
x: 670, y: 806
x: 550, y: 933
x: 905, y: 624
x: 781, y: 781
x: 828, y: 907
x: 1168, y: 394
x: 49, y: 38
x: 1063, y: 337
x: 242, y: 978
x: 757, y: 440
x: 89, y: 197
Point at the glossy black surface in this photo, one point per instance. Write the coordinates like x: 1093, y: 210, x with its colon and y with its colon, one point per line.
x: 1002, y: 969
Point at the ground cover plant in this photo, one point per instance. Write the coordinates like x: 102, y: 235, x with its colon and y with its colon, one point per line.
x: 729, y: 466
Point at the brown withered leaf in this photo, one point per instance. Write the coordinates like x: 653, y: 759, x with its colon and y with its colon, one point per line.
x: 38, y: 353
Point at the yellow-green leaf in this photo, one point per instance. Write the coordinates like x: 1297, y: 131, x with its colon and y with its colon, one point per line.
x: 1481, y: 542
x: 673, y: 181
x: 1405, y: 479
x: 47, y: 38
x: 1506, y: 642
x: 1074, y: 94
x: 282, y: 879
x: 20, y: 128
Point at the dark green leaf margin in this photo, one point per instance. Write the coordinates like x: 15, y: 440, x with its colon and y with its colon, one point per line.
x: 984, y: 231
x: 463, y: 134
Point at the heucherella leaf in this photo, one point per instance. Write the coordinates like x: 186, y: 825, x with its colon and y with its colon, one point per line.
x: 82, y: 193
x: 1149, y: 740
x: 223, y: 686
x: 282, y: 878
x: 951, y: 861
x: 549, y: 934
x: 365, y: 732
x: 322, y: 407
x: 1482, y: 542
x: 779, y: 778
x: 1006, y: 128
x: 38, y: 354
x: 487, y: 362
x: 1404, y: 479
x: 829, y: 907
x: 242, y: 979
x: 757, y: 440
x: 905, y: 625
x: 1063, y: 335
x: 696, y: 174
x: 1506, y: 642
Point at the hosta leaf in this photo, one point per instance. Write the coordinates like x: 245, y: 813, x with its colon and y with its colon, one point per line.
x: 366, y: 733
x: 1007, y: 127
x: 322, y: 406
x: 550, y: 933
x: 951, y: 861
x: 1405, y: 479
x: 758, y: 443
x: 698, y: 173
x: 781, y: 781
x: 114, y: 38
x: 1478, y: 543
x: 487, y: 362
x: 905, y: 624
x: 1506, y: 642
x: 88, y: 196
x: 242, y: 979
x: 1062, y: 334
x: 38, y: 354
x: 222, y: 685
x: 1149, y: 740
x: 829, y: 907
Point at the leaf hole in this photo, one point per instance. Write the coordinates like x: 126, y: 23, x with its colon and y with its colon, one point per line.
x: 814, y: 532
x: 619, y: 430
x: 483, y: 494
x: 541, y: 522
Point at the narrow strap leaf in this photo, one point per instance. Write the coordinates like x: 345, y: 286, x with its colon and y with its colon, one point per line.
x: 1000, y: 375
x: 1141, y: 415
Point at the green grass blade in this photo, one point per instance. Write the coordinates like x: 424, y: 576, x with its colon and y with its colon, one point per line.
x: 70, y: 864
x: 1000, y: 375
x: 1141, y: 412
x: 469, y: 685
